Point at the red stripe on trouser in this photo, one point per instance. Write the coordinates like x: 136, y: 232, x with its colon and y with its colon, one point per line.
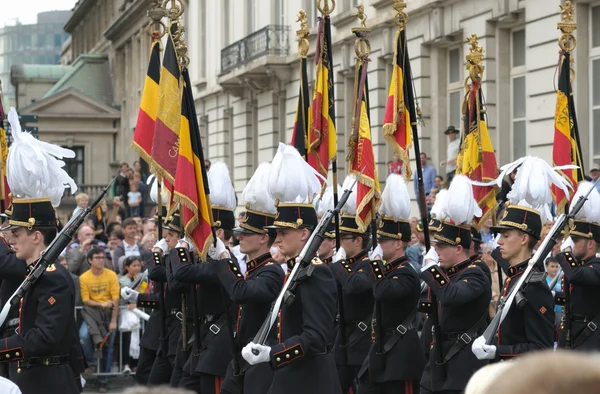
x: 218, y: 383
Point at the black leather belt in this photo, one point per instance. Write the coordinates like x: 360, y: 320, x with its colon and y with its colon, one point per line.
x: 44, y: 361
x: 214, y: 329
x: 581, y: 318
x: 465, y: 338
x: 592, y: 325
x: 359, y: 329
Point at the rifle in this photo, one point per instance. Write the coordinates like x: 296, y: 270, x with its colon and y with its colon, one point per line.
x: 545, y: 248
x: 567, y: 313
x: 51, y: 253
x: 302, y: 269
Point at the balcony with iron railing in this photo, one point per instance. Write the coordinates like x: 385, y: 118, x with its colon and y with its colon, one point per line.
x: 256, y: 58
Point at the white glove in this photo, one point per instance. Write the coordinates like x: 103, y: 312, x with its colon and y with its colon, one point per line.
x: 567, y: 243
x: 431, y: 257
x: 483, y: 351
x: 129, y: 295
x: 185, y: 243
x: 376, y: 254
x: 339, y: 255
x: 263, y: 356
x: 216, y: 252
x: 162, y: 245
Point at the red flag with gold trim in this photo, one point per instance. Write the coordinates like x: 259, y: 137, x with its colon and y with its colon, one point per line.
x: 322, y: 139
x: 400, y: 109
x: 476, y: 158
x: 165, y: 145
x: 143, y: 136
x: 567, y: 146
x: 4, y: 188
x: 191, y: 182
x: 360, y: 153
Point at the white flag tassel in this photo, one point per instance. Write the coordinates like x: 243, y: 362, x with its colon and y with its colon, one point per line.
x: 396, y: 201
x: 222, y: 193
x: 34, y: 167
x: 255, y: 195
x: 462, y: 207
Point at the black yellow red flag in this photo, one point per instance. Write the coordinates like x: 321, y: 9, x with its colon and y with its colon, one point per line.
x: 400, y: 109
x: 360, y: 153
x: 300, y: 134
x: 322, y: 139
x: 567, y: 146
x: 165, y: 145
x: 143, y: 136
x: 191, y: 182
x: 476, y: 158
x: 4, y: 188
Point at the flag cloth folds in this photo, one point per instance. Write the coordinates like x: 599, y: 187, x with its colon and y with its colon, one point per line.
x: 476, y: 158
x: 191, y: 182
x: 360, y: 153
x: 300, y: 134
x: 400, y: 109
x: 165, y: 145
x: 567, y: 146
x: 322, y: 142
x: 144, y: 129
x: 4, y: 188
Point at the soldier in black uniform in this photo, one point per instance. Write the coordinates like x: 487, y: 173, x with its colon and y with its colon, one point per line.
x: 206, y: 367
x: 463, y: 293
x: 529, y: 324
x: 582, y: 271
x: 356, y: 278
x: 47, y: 345
x: 396, y: 359
x: 302, y: 358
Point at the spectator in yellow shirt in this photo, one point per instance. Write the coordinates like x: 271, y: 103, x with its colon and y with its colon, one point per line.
x: 100, y: 293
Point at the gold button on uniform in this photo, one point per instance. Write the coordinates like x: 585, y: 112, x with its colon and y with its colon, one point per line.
x: 278, y: 359
x: 296, y: 352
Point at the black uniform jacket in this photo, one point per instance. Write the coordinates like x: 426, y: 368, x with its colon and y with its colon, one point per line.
x: 397, y: 293
x: 47, y: 334
x: 463, y: 293
x: 151, y: 337
x: 12, y: 273
x: 254, y: 294
x: 214, y: 351
x: 302, y: 359
x: 584, y: 279
x: 529, y: 326
x: 356, y: 278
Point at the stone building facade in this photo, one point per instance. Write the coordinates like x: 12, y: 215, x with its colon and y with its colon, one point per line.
x: 244, y: 66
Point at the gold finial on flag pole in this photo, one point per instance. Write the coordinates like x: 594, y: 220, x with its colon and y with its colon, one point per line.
x: 302, y: 34
x: 156, y: 12
x: 325, y: 9
x: 474, y: 58
x: 401, y: 17
x: 567, y: 26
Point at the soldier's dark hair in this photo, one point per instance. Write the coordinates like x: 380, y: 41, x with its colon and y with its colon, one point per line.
x: 48, y: 233
x: 227, y: 234
x: 532, y: 242
x: 95, y: 251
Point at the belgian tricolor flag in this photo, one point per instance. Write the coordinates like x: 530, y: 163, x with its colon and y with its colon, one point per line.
x: 360, y: 156
x: 4, y: 188
x: 322, y: 142
x: 143, y: 136
x: 166, y: 130
x: 300, y: 135
x: 191, y: 182
x: 567, y: 146
x: 400, y: 109
x: 476, y: 158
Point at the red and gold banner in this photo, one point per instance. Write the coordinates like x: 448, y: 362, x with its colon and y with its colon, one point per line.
x: 143, y: 136
x: 567, y: 146
x: 322, y: 141
x: 360, y: 156
x: 476, y: 158
x: 191, y: 182
x: 400, y: 108
x: 165, y: 145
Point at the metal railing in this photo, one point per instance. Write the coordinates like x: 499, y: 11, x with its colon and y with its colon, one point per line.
x: 270, y: 40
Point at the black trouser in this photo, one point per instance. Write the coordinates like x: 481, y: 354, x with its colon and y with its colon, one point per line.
x: 142, y: 373
x: 347, y: 375
x: 201, y: 383
x: 127, y: 359
x: 393, y: 387
x: 427, y: 391
x: 161, y: 370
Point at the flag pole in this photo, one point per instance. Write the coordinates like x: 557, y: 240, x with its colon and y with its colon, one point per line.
x: 303, y: 100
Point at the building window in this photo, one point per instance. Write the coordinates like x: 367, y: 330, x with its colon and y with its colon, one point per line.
x: 596, y: 107
x: 250, y: 16
x: 518, y: 48
x: 74, y: 166
x: 596, y: 26
x: 312, y: 13
x: 455, y: 88
x: 518, y: 94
